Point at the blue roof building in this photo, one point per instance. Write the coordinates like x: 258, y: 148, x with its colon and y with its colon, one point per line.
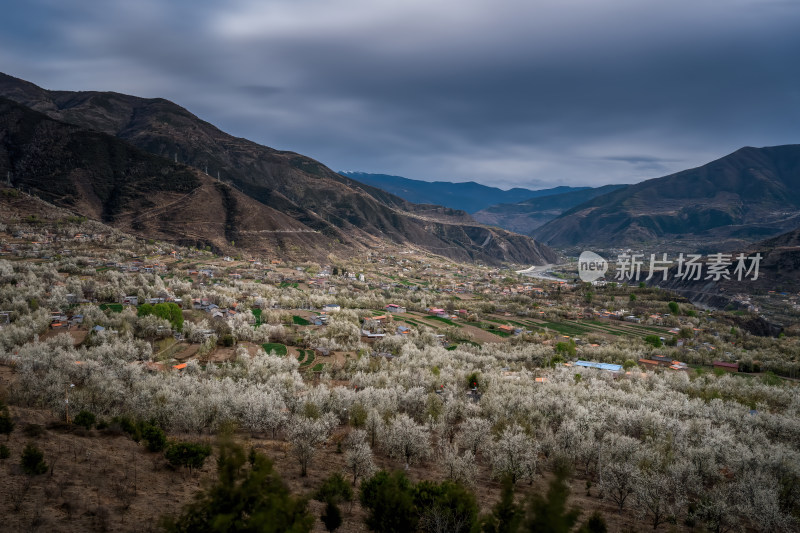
x: 601, y: 366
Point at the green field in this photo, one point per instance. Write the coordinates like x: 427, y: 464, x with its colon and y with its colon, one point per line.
x: 445, y: 320
x: 279, y: 349
x: 574, y: 328
x: 627, y: 328
x: 412, y: 322
x: 117, y: 308
x: 491, y: 328
x: 566, y: 329
x: 300, y: 321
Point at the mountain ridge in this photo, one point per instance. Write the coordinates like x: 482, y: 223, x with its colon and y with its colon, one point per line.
x: 346, y: 212
x: 106, y: 179
x: 746, y: 196
x: 525, y: 216
x: 467, y: 196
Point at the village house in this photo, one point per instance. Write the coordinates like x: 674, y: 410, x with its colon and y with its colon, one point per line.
x: 206, y: 334
x: 505, y: 328
x: 600, y: 366
x: 662, y: 360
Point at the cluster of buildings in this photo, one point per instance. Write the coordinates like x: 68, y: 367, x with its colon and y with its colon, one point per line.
x: 522, y: 288
x: 204, y: 304
x: 663, y: 361
x: 61, y: 320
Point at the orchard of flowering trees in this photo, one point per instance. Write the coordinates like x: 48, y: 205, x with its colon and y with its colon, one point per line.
x: 662, y: 446
x: 692, y: 448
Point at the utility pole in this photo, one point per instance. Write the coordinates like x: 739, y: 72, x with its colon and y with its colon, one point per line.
x: 66, y: 399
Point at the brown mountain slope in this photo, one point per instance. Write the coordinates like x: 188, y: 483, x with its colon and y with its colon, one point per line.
x: 778, y: 278
x: 743, y: 197
x: 790, y: 239
x: 104, y: 178
x: 341, y: 209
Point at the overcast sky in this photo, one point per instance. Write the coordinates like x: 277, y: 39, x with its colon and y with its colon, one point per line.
x: 530, y: 93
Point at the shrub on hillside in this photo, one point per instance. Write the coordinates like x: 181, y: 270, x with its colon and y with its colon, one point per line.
x: 33, y: 461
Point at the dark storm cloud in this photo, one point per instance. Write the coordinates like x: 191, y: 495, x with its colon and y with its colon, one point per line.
x: 508, y: 93
x: 260, y: 91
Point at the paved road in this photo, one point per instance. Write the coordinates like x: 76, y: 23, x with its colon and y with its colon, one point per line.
x: 539, y: 272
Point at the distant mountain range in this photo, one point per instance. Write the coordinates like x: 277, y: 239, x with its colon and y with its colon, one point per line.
x: 151, y: 167
x: 467, y: 196
x: 749, y: 195
x: 526, y: 216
